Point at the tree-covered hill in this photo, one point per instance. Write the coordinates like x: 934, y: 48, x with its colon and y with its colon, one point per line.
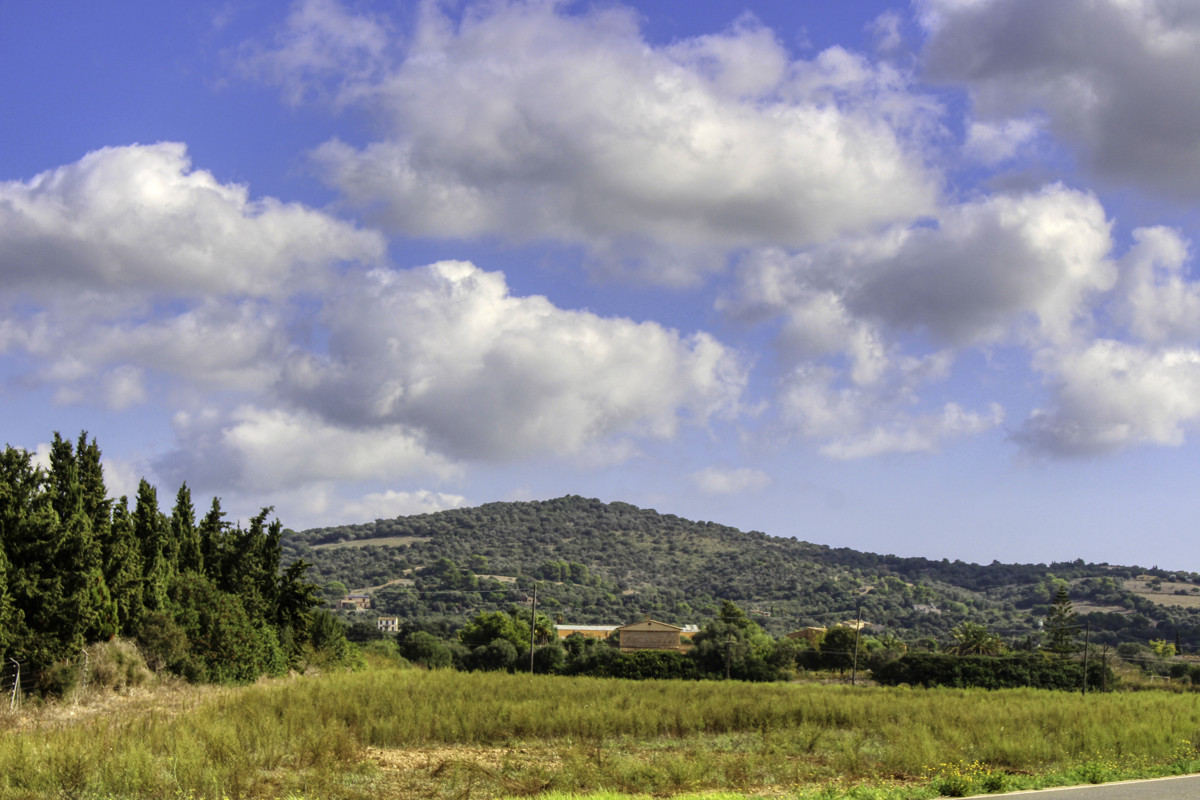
x: 597, y: 562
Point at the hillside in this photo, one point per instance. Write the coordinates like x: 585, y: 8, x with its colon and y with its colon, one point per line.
x: 597, y: 562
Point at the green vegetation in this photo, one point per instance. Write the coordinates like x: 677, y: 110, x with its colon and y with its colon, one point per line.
x: 416, y: 733
x: 611, y: 563
x: 205, y: 599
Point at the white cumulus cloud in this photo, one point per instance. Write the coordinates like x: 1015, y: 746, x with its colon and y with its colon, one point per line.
x: 524, y: 121
x: 139, y: 220
x: 448, y: 350
x: 1111, y: 395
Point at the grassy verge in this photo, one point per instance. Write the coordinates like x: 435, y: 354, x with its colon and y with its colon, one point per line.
x: 454, y: 735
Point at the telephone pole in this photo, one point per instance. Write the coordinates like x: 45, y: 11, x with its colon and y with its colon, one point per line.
x: 532, y: 626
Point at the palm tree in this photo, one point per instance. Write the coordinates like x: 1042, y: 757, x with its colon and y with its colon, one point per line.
x: 971, y: 639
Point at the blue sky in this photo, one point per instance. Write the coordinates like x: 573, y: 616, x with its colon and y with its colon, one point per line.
x: 908, y: 278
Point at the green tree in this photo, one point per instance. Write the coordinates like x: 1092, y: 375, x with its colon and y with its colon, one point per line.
x: 89, y: 612
x: 734, y: 646
x: 96, y: 504
x: 150, y: 529
x: 489, y: 626
x: 214, y: 546
x: 1061, y: 630
x: 837, y: 648
x: 123, y: 568
x: 225, y: 645
x: 297, y: 599
x: 28, y: 525
x: 499, y: 654
x: 330, y: 647
x: 185, y: 537
x: 422, y: 647
x: 971, y: 639
x: 7, y: 611
x: 1162, y: 648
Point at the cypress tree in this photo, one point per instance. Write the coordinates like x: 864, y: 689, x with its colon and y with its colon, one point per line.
x: 123, y: 569
x: 88, y: 612
x: 96, y: 504
x: 150, y: 530
x: 213, y: 533
x: 184, y: 535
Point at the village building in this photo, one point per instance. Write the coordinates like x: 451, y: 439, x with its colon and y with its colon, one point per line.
x: 355, y: 602
x: 388, y: 624
x: 811, y: 635
x: 650, y: 634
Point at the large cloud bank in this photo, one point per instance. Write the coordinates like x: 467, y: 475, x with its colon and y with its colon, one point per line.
x: 521, y: 121
x: 130, y: 268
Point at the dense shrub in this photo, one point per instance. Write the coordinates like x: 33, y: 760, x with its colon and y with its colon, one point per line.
x: 427, y: 650
x: 224, y: 646
x: 163, y: 643
x: 990, y: 672
x: 498, y: 655
x: 115, y: 665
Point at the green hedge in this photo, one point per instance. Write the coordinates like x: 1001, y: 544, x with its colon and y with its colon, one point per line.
x: 993, y: 672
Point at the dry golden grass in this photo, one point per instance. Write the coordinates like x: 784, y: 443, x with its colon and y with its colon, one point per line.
x: 1166, y: 595
x: 411, y: 733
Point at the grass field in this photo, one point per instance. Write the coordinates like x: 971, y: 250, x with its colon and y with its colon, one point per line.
x: 1167, y: 594
x: 410, y: 733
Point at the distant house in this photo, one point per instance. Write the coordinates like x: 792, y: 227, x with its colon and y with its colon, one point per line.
x: 811, y: 635
x: 388, y: 624
x: 650, y: 634
x: 355, y: 602
x: 588, y: 631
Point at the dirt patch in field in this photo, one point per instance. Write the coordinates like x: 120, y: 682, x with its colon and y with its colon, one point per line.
x: 464, y: 771
x: 434, y: 759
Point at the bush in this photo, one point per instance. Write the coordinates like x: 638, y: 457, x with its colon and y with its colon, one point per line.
x: 329, y: 647
x: 427, y: 650
x: 116, y: 665
x: 991, y: 672
x: 225, y: 646
x: 164, y: 644
x: 499, y: 655
x: 385, y: 652
x: 58, y: 679
x: 549, y: 659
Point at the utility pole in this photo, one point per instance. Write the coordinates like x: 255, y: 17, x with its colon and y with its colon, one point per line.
x: 532, y: 626
x: 1104, y: 669
x: 1087, y: 637
x: 857, y: 628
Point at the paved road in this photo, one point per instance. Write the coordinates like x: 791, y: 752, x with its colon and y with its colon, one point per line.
x: 1184, y: 788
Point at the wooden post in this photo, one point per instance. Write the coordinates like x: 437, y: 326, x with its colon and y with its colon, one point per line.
x: 1104, y: 669
x: 1087, y: 637
x: 532, y: 626
x: 857, y: 628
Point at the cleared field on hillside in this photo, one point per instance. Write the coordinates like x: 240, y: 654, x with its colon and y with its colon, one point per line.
x: 1169, y: 593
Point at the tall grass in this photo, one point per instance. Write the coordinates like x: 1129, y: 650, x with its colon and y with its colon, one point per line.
x: 329, y: 737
